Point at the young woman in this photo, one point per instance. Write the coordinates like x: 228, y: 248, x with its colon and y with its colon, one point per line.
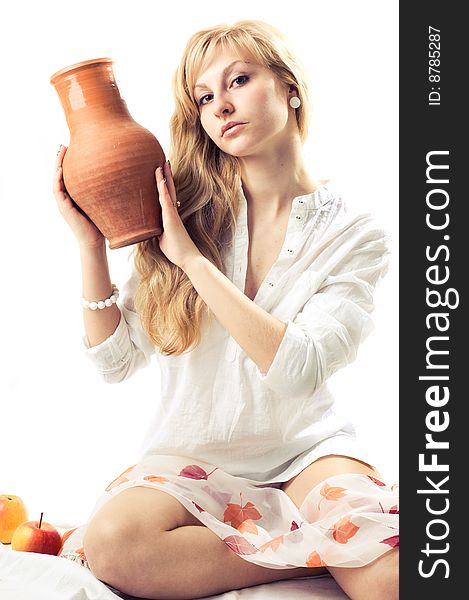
x: 257, y: 291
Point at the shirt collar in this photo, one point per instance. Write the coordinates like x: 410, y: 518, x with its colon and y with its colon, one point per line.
x: 312, y: 201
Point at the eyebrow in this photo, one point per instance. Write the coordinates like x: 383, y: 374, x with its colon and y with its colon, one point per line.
x: 224, y: 72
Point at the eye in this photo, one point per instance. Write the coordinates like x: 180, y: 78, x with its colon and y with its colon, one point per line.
x: 201, y: 101
x: 246, y: 77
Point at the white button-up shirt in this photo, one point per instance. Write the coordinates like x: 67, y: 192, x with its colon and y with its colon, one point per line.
x: 214, y: 403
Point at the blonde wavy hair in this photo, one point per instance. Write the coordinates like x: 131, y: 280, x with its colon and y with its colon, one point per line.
x: 207, y: 182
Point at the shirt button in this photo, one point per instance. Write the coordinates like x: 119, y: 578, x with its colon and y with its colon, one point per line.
x: 290, y: 251
x: 298, y: 217
x: 271, y: 284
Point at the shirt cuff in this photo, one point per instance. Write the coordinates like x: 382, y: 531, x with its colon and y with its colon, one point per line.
x: 110, y: 354
x: 283, y: 370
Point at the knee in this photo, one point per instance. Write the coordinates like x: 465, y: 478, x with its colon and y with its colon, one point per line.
x: 107, y: 546
x: 379, y: 580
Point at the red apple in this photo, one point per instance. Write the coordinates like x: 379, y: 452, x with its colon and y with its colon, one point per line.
x: 39, y: 537
x: 12, y: 513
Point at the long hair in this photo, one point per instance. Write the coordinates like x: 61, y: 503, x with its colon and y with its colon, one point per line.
x: 207, y: 182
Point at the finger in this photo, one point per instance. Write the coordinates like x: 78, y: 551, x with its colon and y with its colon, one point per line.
x: 60, y: 155
x: 58, y: 164
x: 58, y: 184
x: 163, y: 191
x: 170, y: 182
x: 58, y: 187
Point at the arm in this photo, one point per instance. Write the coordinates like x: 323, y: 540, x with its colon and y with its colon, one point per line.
x: 254, y: 329
x: 128, y: 348
x: 96, y: 285
x: 333, y: 304
x: 295, y: 357
x: 114, y: 338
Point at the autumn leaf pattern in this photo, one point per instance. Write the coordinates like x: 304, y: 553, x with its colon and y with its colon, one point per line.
x: 195, y: 472
x: 343, y: 530
x: 237, y: 514
x: 394, y: 510
x: 377, y: 481
x: 240, y: 545
x: 273, y: 544
x: 295, y: 536
x: 248, y: 526
x: 200, y: 509
x: 392, y: 541
x: 329, y: 492
x: 314, y: 560
x: 155, y: 479
x: 119, y: 480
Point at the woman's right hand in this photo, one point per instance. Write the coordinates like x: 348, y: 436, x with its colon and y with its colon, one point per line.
x: 86, y: 232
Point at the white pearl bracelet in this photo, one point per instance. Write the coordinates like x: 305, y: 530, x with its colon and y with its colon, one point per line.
x: 93, y: 305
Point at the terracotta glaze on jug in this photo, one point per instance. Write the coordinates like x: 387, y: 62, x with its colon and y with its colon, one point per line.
x: 109, y: 167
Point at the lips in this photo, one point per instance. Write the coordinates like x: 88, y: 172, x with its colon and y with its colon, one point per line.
x: 230, y: 125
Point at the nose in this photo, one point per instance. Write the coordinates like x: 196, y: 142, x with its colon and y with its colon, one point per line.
x: 222, y: 107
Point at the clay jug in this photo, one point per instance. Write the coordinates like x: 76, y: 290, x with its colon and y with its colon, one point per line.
x: 109, y: 167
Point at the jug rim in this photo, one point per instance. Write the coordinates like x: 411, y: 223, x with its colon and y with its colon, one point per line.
x: 77, y: 66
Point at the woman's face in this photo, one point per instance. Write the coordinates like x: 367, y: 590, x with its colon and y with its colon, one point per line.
x: 232, y: 88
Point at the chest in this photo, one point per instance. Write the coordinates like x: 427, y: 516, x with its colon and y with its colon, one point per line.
x: 265, y: 244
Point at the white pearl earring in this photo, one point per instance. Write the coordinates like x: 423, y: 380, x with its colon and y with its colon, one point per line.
x: 295, y: 102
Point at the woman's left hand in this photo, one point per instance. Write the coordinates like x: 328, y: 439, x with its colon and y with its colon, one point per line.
x: 175, y: 242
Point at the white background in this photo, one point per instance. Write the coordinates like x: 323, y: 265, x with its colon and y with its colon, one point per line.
x: 64, y: 434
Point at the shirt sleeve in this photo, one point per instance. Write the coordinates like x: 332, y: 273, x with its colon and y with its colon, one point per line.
x: 128, y: 348
x: 325, y: 334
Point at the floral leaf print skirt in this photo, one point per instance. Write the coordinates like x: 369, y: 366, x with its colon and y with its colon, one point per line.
x: 347, y: 520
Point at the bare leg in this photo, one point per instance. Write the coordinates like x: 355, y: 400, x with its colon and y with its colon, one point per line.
x: 148, y: 545
x: 375, y: 581
x: 191, y: 562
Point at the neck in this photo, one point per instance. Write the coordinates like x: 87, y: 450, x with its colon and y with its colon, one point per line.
x: 271, y: 180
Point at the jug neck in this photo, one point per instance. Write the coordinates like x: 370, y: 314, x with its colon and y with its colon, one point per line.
x: 91, y: 89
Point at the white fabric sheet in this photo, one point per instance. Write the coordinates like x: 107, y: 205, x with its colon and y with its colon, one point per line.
x: 30, y: 576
